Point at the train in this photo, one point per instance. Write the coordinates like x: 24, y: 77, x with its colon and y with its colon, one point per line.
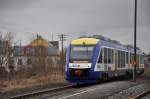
x: 97, y: 58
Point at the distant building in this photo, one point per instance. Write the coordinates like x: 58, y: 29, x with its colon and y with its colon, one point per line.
x: 51, y: 47
x: 55, y: 44
x: 20, y: 57
x: 29, y: 55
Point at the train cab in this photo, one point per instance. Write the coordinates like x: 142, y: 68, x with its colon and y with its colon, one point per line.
x: 80, y: 59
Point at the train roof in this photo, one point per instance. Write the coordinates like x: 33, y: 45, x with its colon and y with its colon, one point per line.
x: 85, y: 41
x: 119, y: 47
x: 103, y: 41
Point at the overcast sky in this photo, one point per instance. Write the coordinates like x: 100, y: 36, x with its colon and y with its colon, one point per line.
x: 110, y: 18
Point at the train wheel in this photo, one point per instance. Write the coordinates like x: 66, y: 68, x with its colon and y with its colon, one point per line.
x: 127, y: 76
x: 105, y: 77
x: 78, y: 84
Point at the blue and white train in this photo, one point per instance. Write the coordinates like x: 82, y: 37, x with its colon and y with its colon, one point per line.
x: 89, y: 60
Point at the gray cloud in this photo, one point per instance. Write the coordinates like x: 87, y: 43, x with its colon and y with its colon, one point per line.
x: 111, y: 18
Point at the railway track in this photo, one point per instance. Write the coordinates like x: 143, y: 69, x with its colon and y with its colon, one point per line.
x: 39, y: 93
x: 145, y: 93
x: 135, y: 92
x: 52, y: 92
x: 59, y: 90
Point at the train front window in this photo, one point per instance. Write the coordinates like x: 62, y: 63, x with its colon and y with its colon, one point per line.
x: 81, y: 52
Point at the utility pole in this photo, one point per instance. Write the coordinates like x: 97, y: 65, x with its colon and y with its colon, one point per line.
x: 62, y: 39
x: 135, y: 30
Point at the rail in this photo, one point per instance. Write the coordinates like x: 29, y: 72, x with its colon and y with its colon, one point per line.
x: 142, y: 94
x: 41, y: 92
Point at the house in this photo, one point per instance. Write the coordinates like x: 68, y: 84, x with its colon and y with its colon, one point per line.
x: 20, y: 58
x: 38, y: 50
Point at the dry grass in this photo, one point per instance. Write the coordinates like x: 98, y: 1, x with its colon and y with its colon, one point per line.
x: 37, y: 74
x: 44, y: 69
x: 32, y: 81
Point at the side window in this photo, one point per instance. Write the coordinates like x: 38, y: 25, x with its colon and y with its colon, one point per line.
x: 109, y: 56
x: 141, y: 59
x: 105, y: 55
x: 112, y: 56
x: 100, y: 60
x: 119, y: 58
x: 122, y: 59
x: 137, y: 59
x: 130, y: 58
x: 127, y: 57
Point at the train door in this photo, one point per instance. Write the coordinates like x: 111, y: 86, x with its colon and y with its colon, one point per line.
x: 105, y: 59
x: 116, y: 61
x: 100, y: 63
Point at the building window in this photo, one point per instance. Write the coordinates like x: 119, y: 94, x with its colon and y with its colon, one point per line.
x: 29, y: 61
x: 19, y: 61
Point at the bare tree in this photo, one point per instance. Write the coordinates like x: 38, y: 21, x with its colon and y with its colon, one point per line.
x: 7, y: 50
